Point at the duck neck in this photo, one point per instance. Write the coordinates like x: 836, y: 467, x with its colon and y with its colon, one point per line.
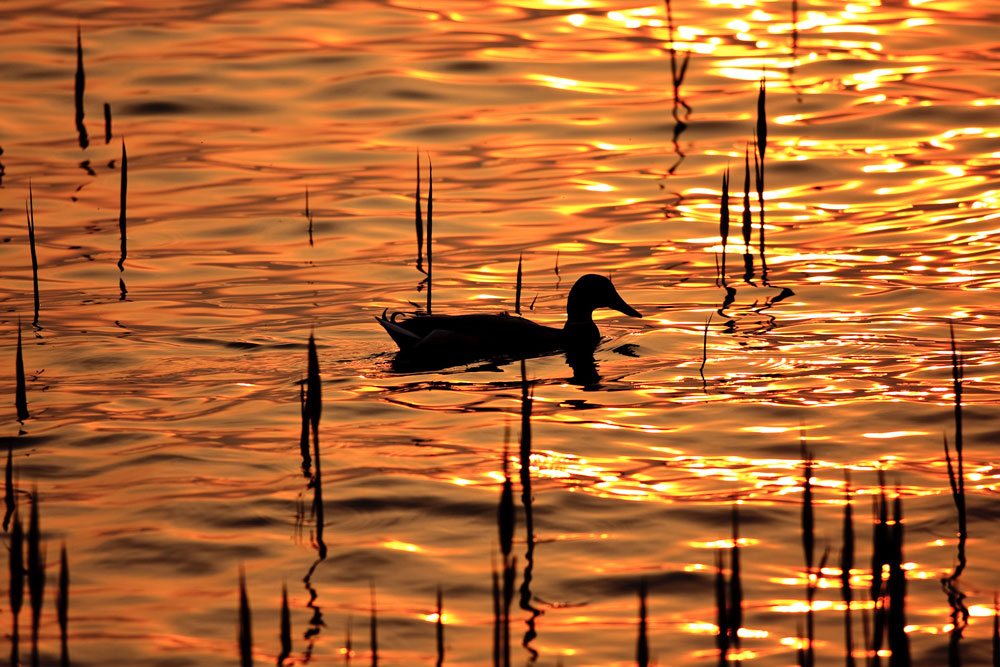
x: 579, y: 314
x: 580, y: 328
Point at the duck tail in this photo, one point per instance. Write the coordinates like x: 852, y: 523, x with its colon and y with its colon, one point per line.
x: 402, y: 337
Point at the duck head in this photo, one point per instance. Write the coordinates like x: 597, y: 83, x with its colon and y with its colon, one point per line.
x: 590, y: 293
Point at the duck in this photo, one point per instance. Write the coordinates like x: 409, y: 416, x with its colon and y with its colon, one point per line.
x: 438, y: 341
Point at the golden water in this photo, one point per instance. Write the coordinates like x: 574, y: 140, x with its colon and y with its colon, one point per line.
x: 164, y: 427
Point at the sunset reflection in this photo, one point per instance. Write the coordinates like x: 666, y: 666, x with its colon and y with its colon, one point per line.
x: 784, y: 460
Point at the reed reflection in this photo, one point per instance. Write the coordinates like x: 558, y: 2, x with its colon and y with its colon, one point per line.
x: 956, y: 480
x: 311, y: 405
x: 529, y: 516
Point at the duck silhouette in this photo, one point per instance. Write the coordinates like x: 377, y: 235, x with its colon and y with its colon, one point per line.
x: 438, y: 341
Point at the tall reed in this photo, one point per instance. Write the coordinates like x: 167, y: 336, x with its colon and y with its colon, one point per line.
x: 31, y: 243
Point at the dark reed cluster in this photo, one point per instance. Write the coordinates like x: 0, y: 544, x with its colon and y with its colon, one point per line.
x: 760, y: 148
x: 27, y: 562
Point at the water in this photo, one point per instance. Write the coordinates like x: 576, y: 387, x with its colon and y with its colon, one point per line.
x: 164, y: 431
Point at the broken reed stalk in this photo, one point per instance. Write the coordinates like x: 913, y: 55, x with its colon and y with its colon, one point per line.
x: 642, y: 643
x: 517, y: 293
x: 20, y: 388
x: 373, y: 626
x: 285, y: 627
x: 16, y: 589
x: 440, y: 631
x: 418, y: 220
x: 430, y: 230
x: 846, y: 564
x: 62, y: 607
x: 121, y: 216
x: 78, y: 92
x: 244, y: 638
x: 107, y: 123
x: 30, y: 211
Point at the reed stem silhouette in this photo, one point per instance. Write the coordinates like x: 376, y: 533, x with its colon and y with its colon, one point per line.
x: 509, y: 576
x: 704, y: 353
x: 348, y: 647
x: 121, y: 217
x: 62, y: 607
x: 505, y: 511
x: 881, y: 545
x: 899, y: 643
x: 721, y: 610
x: 496, y: 613
x: 9, y: 499
x: 20, y: 386
x: 16, y: 587
x: 78, y: 92
x: 846, y: 564
x: 430, y: 231
x: 808, y: 545
x: 527, y: 501
x: 642, y: 643
x: 314, y: 406
x: 734, y: 612
x: 36, y: 575
x: 439, y: 635
x: 517, y: 293
x: 244, y: 637
x: 107, y: 123
x: 761, y: 148
x: 304, y: 432
x: 724, y: 220
x: 309, y: 217
x: 747, y: 218
x: 373, y: 626
x: 30, y: 211
x: 285, y: 628
x: 956, y: 480
x: 677, y: 70
x: 996, y: 631
x: 419, y: 221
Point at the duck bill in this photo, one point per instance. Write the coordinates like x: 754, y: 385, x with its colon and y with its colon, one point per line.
x: 622, y: 307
